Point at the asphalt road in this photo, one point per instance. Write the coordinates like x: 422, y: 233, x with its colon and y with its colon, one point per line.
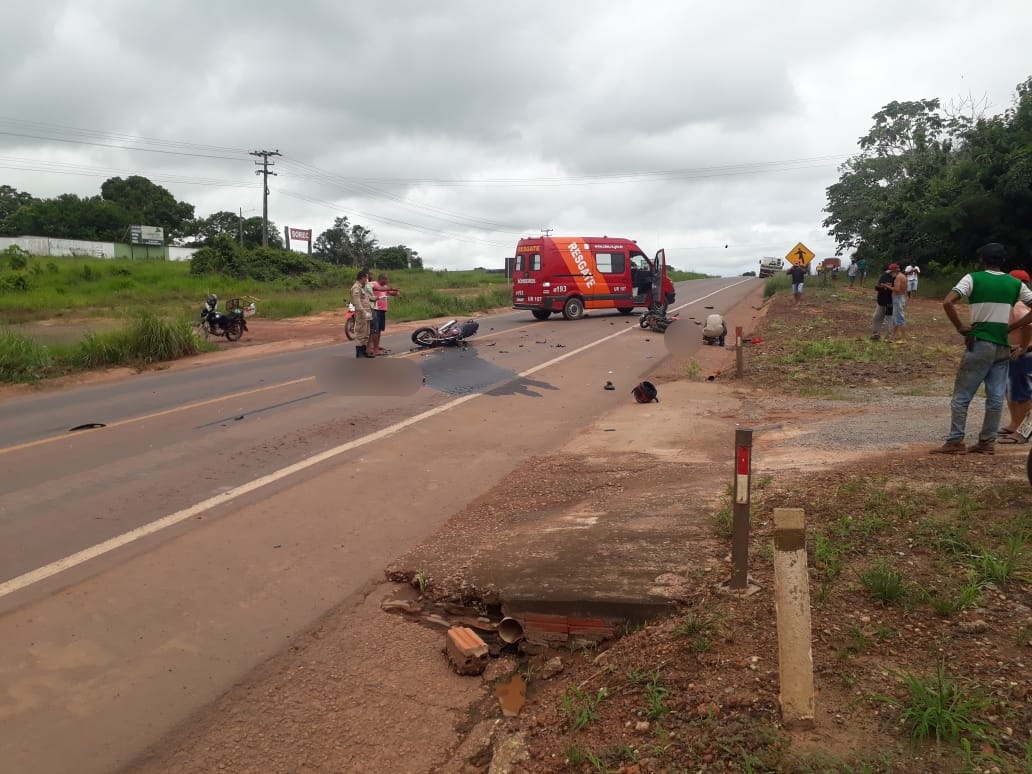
x: 147, y: 564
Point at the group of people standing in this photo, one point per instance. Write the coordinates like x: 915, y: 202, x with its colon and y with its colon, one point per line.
x: 891, y: 288
x: 370, y: 302
x: 996, y: 352
x: 997, y: 344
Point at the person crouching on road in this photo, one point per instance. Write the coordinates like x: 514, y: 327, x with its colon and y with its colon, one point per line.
x: 363, y: 314
x: 986, y: 357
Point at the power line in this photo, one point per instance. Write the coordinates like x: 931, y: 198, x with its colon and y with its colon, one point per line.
x: 382, y: 219
x: 113, y: 136
x: 67, y: 168
x: 120, y: 147
x: 360, y: 188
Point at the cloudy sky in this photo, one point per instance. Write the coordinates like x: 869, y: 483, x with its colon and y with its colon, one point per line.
x: 456, y: 127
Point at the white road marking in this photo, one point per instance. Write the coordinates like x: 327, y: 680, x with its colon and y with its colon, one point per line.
x: 107, y: 546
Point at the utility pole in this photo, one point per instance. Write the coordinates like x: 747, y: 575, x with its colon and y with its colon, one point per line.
x: 547, y: 231
x: 264, y: 172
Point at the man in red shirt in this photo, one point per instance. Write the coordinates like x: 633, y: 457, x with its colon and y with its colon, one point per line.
x: 381, y: 290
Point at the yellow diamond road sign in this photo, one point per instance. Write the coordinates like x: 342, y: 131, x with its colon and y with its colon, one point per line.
x: 800, y: 254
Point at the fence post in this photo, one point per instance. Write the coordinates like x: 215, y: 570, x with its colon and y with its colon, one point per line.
x: 739, y: 364
x: 792, y: 604
x: 740, y: 517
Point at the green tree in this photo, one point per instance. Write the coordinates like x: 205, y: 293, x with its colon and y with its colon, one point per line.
x: 396, y: 257
x: 69, y: 217
x: 203, y: 231
x: 149, y: 204
x: 926, y: 186
x: 253, y: 233
x: 12, y: 199
x: 334, y: 244
x: 363, y: 246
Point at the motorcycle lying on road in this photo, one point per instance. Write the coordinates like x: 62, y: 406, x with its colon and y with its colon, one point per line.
x: 232, y: 324
x: 451, y: 334
x: 656, y: 320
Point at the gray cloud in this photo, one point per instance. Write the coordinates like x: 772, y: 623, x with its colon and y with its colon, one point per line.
x: 439, y: 104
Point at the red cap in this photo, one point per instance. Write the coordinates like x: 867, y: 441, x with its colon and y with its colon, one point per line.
x: 1021, y: 274
x: 893, y: 267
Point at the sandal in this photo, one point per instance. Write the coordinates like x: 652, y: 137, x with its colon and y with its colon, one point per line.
x: 1004, y: 431
x: 1013, y: 438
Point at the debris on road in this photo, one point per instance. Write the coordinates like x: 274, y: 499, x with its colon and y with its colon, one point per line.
x: 551, y: 668
x: 466, y: 651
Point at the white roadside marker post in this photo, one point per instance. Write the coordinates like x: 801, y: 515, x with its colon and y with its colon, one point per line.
x: 792, y: 603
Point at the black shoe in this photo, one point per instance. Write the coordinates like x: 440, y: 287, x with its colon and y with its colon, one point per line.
x: 361, y: 352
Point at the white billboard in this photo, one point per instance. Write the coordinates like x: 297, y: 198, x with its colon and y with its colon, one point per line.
x: 147, y: 235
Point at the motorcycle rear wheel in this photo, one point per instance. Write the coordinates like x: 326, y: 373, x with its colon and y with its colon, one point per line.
x: 349, y: 329
x: 234, y: 330
x: 424, y: 337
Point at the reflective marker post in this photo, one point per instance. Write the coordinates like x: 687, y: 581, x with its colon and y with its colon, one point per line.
x: 739, y: 365
x: 740, y: 518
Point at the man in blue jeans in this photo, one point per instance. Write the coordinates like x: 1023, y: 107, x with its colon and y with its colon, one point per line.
x: 991, y: 295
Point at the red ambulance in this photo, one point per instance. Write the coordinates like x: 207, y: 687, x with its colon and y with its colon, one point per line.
x: 571, y: 274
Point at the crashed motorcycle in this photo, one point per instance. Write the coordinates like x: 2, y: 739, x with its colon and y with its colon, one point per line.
x: 656, y: 320
x: 451, y: 334
x: 232, y: 324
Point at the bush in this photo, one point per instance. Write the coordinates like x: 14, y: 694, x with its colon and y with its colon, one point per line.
x: 265, y: 264
x: 14, y: 283
x: 17, y: 258
x: 22, y: 359
x: 100, y: 350
x: 147, y: 339
x: 223, y: 257
x: 776, y: 283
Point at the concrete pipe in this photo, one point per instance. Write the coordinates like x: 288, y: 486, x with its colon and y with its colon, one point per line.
x: 510, y: 630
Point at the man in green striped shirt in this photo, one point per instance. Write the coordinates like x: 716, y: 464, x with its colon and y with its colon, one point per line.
x: 991, y: 294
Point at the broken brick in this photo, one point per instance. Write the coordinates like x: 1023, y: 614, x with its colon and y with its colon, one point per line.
x: 467, y: 652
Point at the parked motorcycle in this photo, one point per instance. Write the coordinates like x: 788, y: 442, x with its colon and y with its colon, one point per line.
x: 451, y: 334
x: 232, y: 324
x: 349, y: 323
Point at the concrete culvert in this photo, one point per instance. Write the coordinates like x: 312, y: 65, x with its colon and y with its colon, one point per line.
x: 510, y: 630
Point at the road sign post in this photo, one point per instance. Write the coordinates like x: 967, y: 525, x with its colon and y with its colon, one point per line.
x: 800, y: 255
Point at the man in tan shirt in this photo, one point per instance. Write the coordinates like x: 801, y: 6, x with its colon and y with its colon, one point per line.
x: 363, y: 314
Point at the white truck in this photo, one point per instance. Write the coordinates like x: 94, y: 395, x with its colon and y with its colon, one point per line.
x: 770, y: 266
